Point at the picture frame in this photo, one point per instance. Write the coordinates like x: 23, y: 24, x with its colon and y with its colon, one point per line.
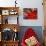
x: 30, y: 13
x: 5, y: 12
x: 13, y: 12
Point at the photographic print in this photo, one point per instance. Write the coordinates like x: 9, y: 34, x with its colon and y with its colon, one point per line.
x: 31, y: 35
x: 30, y: 13
x: 5, y: 12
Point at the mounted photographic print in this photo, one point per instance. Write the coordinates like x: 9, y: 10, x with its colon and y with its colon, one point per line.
x: 5, y: 12
x: 30, y: 13
x: 30, y: 35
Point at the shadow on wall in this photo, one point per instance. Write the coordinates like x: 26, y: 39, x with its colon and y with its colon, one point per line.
x: 37, y: 29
